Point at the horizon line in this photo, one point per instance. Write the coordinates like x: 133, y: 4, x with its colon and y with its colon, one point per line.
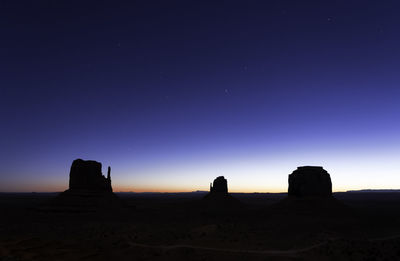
x: 203, y: 191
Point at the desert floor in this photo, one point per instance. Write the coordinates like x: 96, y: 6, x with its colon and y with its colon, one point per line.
x: 182, y: 226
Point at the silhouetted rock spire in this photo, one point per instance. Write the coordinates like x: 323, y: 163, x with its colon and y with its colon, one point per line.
x: 310, y: 181
x: 219, y: 198
x: 220, y: 185
x: 88, y: 189
x: 87, y: 175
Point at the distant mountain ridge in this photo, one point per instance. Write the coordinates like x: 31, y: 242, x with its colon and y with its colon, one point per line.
x: 373, y: 190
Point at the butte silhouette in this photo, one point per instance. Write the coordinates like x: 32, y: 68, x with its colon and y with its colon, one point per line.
x: 219, y: 195
x: 88, y: 188
x: 86, y: 175
x: 310, y: 189
x: 310, y: 181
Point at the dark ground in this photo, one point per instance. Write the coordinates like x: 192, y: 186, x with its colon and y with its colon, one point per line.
x: 260, y: 226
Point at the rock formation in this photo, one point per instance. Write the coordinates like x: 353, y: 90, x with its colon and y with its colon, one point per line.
x: 220, y: 185
x: 310, y: 181
x: 89, y: 190
x: 219, y: 199
x: 87, y: 175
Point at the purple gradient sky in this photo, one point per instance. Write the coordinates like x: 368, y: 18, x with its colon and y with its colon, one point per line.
x: 172, y: 94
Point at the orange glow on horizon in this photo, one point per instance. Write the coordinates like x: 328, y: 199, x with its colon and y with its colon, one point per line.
x: 165, y: 189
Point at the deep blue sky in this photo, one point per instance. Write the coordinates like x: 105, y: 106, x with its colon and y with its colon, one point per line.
x: 172, y: 94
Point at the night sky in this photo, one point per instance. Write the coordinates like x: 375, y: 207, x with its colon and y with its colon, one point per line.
x: 173, y: 94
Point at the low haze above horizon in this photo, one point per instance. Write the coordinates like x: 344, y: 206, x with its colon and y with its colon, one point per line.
x: 172, y: 94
